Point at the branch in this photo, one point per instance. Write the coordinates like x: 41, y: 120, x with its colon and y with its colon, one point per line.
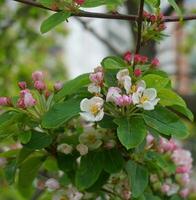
x: 139, y: 23
x: 108, y: 15
x: 99, y: 37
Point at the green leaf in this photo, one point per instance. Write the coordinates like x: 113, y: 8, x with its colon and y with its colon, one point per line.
x: 113, y: 161
x: 54, y: 20
x: 10, y: 171
x: 93, y: 3
x: 113, y: 63
x: 155, y: 81
x: 175, y: 6
x: 72, y: 86
x: 107, y: 122
x: 166, y: 122
x: 110, y: 77
x: 66, y: 162
x: 138, y: 178
x: 176, y: 197
x: 47, y: 3
x: 27, y: 174
x: 24, y: 137
x: 39, y: 140
x: 151, y: 197
x: 170, y: 98
x: 89, y: 170
x: 184, y: 110
x: 61, y: 113
x: 99, y: 183
x: 131, y: 132
x: 23, y: 155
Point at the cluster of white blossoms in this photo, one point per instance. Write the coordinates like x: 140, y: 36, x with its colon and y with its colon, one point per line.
x: 126, y: 93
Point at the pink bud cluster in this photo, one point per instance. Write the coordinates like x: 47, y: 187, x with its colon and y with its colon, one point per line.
x: 5, y: 101
x: 139, y: 60
x: 156, y: 20
x: 123, y: 100
x: 183, y: 162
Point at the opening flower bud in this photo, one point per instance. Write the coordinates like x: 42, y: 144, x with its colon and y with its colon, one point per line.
x: 40, y: 85
x: 22, y: 85
x: 137, y: 72
x: 37, y: 75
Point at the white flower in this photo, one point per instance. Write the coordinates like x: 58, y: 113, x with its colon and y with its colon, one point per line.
x: 82, y: 149
x: 91, y: 138
x: 52, y: 184
x: 73, y: 193
x: 121, y: 75
x: 145, y: 98
x: 113, y: 94
x: 65, y: 148
x: 92, y: 109
x: 94, y: 88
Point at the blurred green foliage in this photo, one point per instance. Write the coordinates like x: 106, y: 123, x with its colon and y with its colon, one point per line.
x: 23, y: 49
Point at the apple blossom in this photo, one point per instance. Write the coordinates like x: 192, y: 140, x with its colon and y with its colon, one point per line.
x: 65, y: 148
x: 22, y: 85
x: 58, y: 86
x: 5, y: 101
x: 26, y: 99
x: 137, y: 72
x: 73, y: 193
x: 123, y: 100
x: 52, y: 184
x: 121, y: 75
x: 82, y: 149
x: 37, y: 76
x: 165, y: 188
x: 113, y: 94
x: 127, y: 56
x: 93, y: 88
x: 97, y: 77
x: 184, y: 193
x: 39, y: 85
x: 166, y: 145
x: 91, y: 138
x: 145, y: 98
x: 92, y: 109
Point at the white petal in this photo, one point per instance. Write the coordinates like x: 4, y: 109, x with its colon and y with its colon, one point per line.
x: 148, y: 105
x: 93, y: 88
x: 127, y: 84
x: 141, y: 83
x: 97, y: 100
x: 85, y: 105
x: 155, y: 101
x: 113, y: 93
x: 121, y: 74
x: 151, y: 93
x: 99, y: 116
x: 88, y: 117
x: 135, y: 98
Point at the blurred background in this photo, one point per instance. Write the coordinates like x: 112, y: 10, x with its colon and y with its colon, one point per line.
x: 80, y: 45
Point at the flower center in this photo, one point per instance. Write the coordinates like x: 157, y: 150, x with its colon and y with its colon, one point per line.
x: 133, y: 89
x: 91, y: 138
x: 94, y: 109
x: 143, y: 99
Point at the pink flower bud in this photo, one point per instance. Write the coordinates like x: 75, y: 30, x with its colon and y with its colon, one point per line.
x: 161, y: 27
x: 182, y: 169
x: 155, y: 62
x: 5, y: 101
x: 37, y: 76
x: 184, y: 193
x: 153, y: 18
x: 47, y: 94
x: 137, y: 58
x: 144, y: 59
x: 26, y: 99
x: 149, y: 140
x: 79, y: 2
x: 22, y: 85
x: 97, y: 78
x: 52, y: 184
x: 137, y: 72
x: 123, y: 100
x: 165, y: 188
x: 58, y: 86
x: 127, y: 56
x: 167, y: 145
x: 40, y: 85
x: 146, y: 15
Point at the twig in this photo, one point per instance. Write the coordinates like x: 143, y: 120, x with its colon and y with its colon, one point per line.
x: 139, y: 24
x: 109, y: 15
x: 99, y: 37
